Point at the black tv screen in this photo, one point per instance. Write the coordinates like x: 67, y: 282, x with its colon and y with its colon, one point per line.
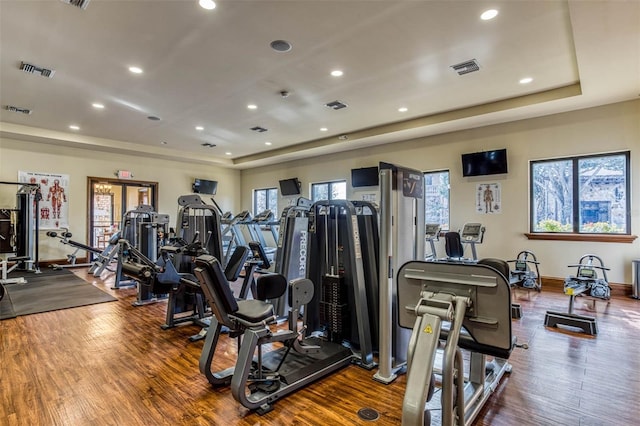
x: 366, y: 176
x: 290, y: 186
x: 202, y: 186
x: 484, y: 163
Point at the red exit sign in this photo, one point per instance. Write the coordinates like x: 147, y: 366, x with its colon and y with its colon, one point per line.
x: 125, y: 174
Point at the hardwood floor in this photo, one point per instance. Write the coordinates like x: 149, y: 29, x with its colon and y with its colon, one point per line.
x: 111, y: 364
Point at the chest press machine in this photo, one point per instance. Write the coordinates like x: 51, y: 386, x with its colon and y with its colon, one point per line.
x: 464, y: 306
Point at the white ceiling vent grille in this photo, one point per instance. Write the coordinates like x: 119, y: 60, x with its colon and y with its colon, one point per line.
x: 259, y: 129
x: 19, y: 110
x: 81, y: 4
x: 336, y: 105
x: 466, y: 67
x: 33, y: 69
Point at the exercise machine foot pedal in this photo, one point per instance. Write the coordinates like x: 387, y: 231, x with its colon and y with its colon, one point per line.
x: 587, y: 324
x: 264, y: 409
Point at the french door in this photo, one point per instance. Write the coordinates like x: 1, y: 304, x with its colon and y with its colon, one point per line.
x: 109, y: 199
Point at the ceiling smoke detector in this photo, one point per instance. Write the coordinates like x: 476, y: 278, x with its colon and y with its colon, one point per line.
x: 80, y: 4
x: 336, y: 105
x: 466, y: 67
x: 19, y: 110
x: 280, y: 45
x: 33, y: 69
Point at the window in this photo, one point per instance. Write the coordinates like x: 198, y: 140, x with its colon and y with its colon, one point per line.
x: 329, y: 190
x: 264, y: 199
x: 436, y: 198
x: 585, y: 195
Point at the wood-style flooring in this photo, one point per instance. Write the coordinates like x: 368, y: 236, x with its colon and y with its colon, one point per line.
x: 111, y: 364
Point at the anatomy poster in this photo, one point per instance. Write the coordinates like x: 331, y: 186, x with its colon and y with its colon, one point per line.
x: 488, y: 198
x: 54, y: 206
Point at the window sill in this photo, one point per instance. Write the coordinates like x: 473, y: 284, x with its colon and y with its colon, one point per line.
x: 598, y: 238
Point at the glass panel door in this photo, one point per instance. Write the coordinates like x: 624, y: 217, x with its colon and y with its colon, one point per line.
x: 109, y: 200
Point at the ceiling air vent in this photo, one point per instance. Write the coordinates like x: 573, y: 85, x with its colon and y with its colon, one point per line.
x: 466, y: 67
x: 259, y: 129
x: 82, y: 4
x: 33, y: 69
x: 336, y: 105
x: 208, y: 145
x: 18, y: 109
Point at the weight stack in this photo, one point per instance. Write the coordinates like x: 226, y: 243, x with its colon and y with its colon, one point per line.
x: 334, y: 309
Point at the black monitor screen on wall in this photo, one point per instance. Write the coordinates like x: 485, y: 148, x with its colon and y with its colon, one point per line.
x: 484, y: 163
x: 203, y: 186
x: 366, y: 176
x: 290, y: 187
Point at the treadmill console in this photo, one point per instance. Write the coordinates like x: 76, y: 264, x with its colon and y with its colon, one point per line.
x: 432, y: 231
x: 472, y: 233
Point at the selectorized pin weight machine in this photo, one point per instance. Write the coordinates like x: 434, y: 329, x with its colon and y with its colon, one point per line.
x: 19, y: 232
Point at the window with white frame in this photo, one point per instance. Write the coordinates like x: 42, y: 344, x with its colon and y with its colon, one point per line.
x: 583, y: 195
x: 336, y: 190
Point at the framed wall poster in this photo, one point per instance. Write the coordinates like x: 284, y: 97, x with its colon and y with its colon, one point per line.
x: 488, y: 198
x: 54, y: 207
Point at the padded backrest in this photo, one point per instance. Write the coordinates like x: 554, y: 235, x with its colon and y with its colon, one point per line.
x: 215, y: 286
x: 498, y: 264
x: 488, y: 318
x: 270, y: 286
x: 453, y: 245
x: 236, y: 262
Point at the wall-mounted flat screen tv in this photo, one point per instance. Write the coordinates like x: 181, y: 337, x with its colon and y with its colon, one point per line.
x: 366, y: 176
x: 484, y: 163
x: 290, y: 187
x: 203, y: 186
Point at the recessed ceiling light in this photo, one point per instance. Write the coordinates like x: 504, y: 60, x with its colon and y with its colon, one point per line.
x: 227, y: 153
x: 252, y: 106
x: 268, y: 143
x: 74, y: 127
x: 403, y: 109
x: 526, y: 80
x: 207, y: 4
x: 199, y: 128
x: 337, y: 73
x: 97, y: 105
x: 489, y: 14
x: 323, y: 129
x: 135, y: 70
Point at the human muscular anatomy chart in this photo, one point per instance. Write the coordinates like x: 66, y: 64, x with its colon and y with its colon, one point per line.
x: 53, y: 209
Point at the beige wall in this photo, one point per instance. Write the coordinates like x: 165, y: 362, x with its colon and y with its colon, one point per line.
x: 174, y: 178
x: 604, y: 129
